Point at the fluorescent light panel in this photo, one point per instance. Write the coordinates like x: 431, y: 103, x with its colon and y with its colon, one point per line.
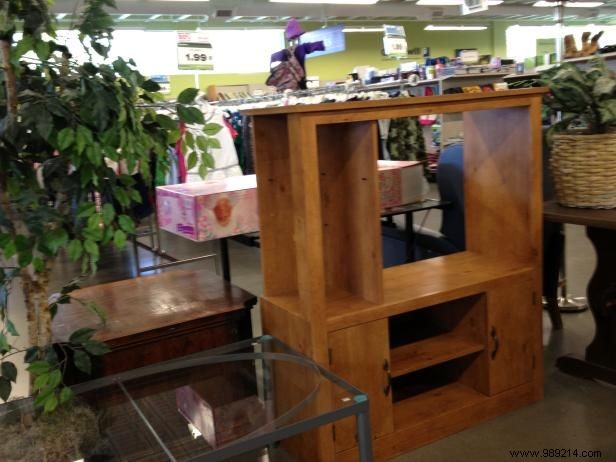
x: 61, y: 16
x: 123, y: 17
x: 546, y: 4
x: 183, y: 17
x: 432, y: 27
x: 452, y: 2
x: 329, y: 2
x: 363, y: 29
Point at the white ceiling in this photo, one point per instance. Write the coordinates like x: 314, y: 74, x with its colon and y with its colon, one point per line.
x: 261, y: 11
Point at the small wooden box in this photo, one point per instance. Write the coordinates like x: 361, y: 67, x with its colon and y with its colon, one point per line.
x: 400, y: 182
x: 158, y: 318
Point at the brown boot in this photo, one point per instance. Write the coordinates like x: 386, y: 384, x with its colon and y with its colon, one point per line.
x: 571, y: 50
x: 585, y: 44
x: 594, y: 44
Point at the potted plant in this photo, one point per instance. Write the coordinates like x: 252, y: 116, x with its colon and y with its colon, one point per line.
x: 583, y: 142
x: 60, y: 124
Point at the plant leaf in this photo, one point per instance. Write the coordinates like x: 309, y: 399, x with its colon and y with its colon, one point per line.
x: 91, y: 247
x: 66, y: 137
x: 55, y: 378
x: 81, y: 359
x: 38, y: 367
x: 96, y: 348
x: 190, y: 115
x: 9, y: 371
x: 188, y: 95
x: 66, y: 394
x: 119, y: 239
x: 40, y: 381
x: 10, y: 327
x: 108, y: 213
x: 212, y: 129
x: 74, y: 249
x: 127, y: 224
x: 50, y: 404
x: 5, y: 389
x: 4, y: 344
x: 81, y: 335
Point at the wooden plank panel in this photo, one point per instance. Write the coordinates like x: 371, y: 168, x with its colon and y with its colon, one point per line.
x: 275, y: 195
x: 438, y: 426
x: 434, y: 281
x: 501, y: 184
x: 359, y: 355
x: 435, y: 350
x: 512, y: 334
x: 350, y: 209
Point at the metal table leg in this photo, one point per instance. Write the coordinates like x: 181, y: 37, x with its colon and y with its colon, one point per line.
x: 224, y: 257
x: 364, y: 438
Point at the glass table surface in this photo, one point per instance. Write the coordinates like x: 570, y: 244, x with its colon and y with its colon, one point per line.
x: 213, y: 405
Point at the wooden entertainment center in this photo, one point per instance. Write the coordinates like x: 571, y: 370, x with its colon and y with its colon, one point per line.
x: 441, y: 344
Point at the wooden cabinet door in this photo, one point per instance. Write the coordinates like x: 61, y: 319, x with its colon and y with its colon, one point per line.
x: 511, y: 334
x: 360, y: 355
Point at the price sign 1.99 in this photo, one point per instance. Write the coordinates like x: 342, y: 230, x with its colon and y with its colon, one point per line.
x: 194, y: 54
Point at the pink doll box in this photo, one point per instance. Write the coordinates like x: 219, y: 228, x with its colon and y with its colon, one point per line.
x: 208, y: 210
x: 400, y: 182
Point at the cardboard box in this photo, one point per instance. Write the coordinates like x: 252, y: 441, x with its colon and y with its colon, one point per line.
x: 220, y: 424
x: 401, y: 182
x: 208, y: 210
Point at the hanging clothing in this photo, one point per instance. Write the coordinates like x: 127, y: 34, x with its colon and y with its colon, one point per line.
x: 225, y: 158
x: 405, y: 140
x: 300, y: 52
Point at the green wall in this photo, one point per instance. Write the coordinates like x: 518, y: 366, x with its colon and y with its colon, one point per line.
x: 363, y: 49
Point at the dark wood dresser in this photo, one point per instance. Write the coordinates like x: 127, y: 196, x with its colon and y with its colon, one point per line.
x: 157, y: 318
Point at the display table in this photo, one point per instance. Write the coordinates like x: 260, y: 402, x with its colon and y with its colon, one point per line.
x: 160, y: 317
x: 214, y: 405
x: 600, y: 359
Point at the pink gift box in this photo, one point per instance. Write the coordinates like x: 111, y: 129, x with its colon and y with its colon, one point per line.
x: 400, y: 182
x: 208, y: 210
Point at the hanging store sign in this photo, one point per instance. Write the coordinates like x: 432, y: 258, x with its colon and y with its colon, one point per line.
x: 473, y: 6
x: 394, y: 41
x: 195, y: 51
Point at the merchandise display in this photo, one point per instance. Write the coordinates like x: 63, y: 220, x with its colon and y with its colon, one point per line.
x: 391, y: 180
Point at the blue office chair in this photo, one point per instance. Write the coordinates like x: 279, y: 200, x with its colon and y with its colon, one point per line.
x: 450, y: 182
x: 450, y: 238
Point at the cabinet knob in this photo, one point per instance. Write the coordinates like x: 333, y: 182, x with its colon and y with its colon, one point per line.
x: 496, y: 342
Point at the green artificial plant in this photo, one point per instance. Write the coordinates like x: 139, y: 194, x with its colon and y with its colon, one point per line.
x: 586, y: 98
x: 60, y: 124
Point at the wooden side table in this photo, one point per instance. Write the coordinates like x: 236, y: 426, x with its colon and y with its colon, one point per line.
x: 600, y: 359
x: 158, y: 318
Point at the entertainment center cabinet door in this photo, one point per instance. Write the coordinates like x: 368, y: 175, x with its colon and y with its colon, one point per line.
x: 511, y: 336
x: 360, y: 355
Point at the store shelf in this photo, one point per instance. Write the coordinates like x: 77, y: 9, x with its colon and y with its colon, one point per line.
x: 423, y: 283
x: 434, y: 403
x: 419, y: 355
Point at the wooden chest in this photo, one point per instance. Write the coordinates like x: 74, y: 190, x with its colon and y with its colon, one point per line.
x: 157, y: 318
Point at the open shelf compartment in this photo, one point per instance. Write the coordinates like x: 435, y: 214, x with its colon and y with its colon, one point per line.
x: 423, y: 338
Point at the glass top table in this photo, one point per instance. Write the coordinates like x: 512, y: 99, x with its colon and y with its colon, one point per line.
x: 215, y: 405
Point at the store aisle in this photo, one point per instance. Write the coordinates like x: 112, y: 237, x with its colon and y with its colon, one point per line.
x: 575, y: 414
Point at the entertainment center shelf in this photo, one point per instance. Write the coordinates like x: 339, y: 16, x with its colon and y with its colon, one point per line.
x: 438, y: 345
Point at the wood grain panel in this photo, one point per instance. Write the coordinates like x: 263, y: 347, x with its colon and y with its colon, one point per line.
x: 275, y: 195
x: 512, y: 334
x: 350, y: 209
x: 360, y: 355
x: 501, y: 184
x: 448, y: 422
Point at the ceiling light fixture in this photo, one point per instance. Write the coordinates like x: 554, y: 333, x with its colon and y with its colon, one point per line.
x: 439, y: 2
x: 61, y: 16
x: 183, y: 17
x: 432, y: 27
x: 123, y: 17
x: 494, y: 2
x: 329, y: 2
x: 154, y: 16
x: 548, y: 4
x: 363, y: 29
